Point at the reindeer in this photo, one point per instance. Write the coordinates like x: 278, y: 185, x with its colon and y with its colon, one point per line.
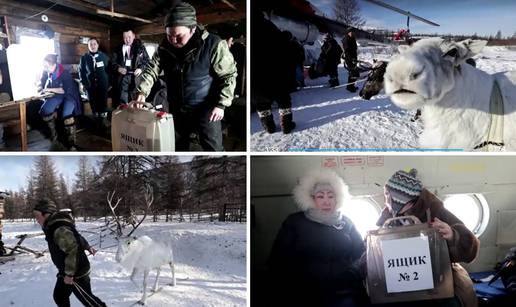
x: 141, y: 254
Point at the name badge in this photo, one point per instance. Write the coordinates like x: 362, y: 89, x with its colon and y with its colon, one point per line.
x: 128, y: 63
x: 100, y: 64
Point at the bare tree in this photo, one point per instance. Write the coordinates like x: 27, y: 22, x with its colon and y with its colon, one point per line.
x: 348, y: 12
x: 148, y: 199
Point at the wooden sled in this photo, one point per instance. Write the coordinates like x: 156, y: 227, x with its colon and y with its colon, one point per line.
x: 18, y: 248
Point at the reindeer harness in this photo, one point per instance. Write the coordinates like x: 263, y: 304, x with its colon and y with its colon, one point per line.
x: 494, y: 140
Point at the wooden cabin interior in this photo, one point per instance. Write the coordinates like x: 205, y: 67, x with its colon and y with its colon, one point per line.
x: 64, y: 27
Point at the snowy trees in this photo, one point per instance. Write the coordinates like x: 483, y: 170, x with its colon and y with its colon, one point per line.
x: 182, y: 186
x: 171, y: 178
x: 218, y: 181
x: 46, y: 184
x: 348, y: 12
x: 128, y: 175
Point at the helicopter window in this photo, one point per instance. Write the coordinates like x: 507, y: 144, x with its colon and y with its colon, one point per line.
x: 364, y: 213
x: 471, y: 209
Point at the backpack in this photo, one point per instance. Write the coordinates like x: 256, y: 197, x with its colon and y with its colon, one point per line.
x: 506, y: 270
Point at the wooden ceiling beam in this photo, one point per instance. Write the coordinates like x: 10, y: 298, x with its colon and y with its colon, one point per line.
x: 22, y: 11
x: 87, y: 7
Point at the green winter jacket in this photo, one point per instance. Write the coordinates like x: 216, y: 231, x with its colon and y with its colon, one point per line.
x: 66, y: 245
x: 203, y: 76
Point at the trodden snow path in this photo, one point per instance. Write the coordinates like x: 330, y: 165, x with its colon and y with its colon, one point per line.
x: 210, y: 268
x: 335, y: 119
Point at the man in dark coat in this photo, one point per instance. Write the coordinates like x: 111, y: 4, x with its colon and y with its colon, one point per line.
x: 351, y: 58
x: 66, y: 247
x: 129, y: 61
x: 332, y: 52
x: 93, y: 71
x: 271, y: 74
x: 200, y: 74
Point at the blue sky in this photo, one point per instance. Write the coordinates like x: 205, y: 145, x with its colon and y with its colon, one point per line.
x: 15, y: 169
x: 484, y: 17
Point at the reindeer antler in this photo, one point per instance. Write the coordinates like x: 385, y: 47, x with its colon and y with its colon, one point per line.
x: 149, y: 199
x: 113, y: 208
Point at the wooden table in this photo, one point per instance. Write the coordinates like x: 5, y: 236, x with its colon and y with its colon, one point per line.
x: 22, y: 107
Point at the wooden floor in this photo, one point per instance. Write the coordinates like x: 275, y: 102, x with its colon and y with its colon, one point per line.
x: 37, y: 142
x: 234, y: 136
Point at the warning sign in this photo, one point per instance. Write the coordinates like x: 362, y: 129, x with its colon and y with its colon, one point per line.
x: 375, y: 161
x: 330, y: 162
x: 352, y: 161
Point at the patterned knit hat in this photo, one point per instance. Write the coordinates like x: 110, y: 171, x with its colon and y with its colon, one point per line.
x: 183, y: 14
x: 403, y: 187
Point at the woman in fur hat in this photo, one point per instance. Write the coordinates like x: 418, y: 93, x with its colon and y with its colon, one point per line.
x: 405, y: 195
x: 313, y: 259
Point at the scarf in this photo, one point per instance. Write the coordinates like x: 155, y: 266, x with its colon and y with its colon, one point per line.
x: 330, y: 219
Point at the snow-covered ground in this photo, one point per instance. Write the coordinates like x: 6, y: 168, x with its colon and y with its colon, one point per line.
x: 335, y: 119
x: 210, y: 267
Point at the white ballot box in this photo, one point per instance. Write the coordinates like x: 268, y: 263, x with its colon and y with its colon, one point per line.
x: 135, y: 129
x: 407, y: 263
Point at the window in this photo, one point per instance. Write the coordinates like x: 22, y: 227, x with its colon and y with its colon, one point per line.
x: 26, y: 64
x: 364, y: 213
x: 471, y: 209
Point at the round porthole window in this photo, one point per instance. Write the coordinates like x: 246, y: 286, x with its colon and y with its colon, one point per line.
x: 471, y: 209
x: 364, y: 213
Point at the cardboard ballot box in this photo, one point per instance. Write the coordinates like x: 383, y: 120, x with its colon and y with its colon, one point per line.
x: 407, y: 263
x: 135, y: 129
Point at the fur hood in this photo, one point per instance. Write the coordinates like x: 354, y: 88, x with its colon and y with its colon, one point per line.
x: 303, y: 191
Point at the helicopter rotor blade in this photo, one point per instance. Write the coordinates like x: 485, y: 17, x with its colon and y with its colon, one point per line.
x: 406, y: 13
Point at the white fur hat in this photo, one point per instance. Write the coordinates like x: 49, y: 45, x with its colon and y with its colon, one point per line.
x: 303, y: 192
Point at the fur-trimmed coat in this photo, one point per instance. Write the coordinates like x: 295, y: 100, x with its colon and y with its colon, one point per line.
x: 313, y: 263
x: 463, y: 248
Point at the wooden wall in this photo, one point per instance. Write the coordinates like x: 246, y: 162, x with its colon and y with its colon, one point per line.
x: 70, y: 28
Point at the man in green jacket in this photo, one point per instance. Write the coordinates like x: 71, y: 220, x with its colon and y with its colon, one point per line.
x: 66, y: 247
x: 200, y: 74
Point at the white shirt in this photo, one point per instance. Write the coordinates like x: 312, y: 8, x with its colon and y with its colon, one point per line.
x: 126, y: 50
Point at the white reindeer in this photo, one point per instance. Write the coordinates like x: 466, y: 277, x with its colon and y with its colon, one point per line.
x: 142, y: 254
x: 457, y: 109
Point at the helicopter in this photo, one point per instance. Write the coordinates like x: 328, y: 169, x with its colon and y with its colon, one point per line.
x: 404, y: 33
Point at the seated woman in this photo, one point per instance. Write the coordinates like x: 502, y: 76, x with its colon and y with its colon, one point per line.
x: 55, y: 79
x: 405, y: 195
x: 313, y: 259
